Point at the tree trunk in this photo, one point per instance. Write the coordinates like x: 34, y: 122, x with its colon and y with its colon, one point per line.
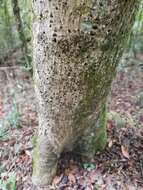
x: 77, y: 45
x: 8, y: 26
x: 20, y: 29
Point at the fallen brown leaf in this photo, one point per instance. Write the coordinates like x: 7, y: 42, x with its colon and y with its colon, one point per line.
x: 125, y: 152
x: 110, y: 143
x: 56, y: 180
x: 71, y: 178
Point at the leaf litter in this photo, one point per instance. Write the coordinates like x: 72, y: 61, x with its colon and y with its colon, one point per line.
x: 119, y: 167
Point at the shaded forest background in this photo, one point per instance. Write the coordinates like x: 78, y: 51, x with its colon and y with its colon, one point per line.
x: 15, y: 29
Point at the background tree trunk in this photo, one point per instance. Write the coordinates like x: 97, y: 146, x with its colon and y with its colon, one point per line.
x: 8, y: 25
x: 77, y: 45
x: 20, y: 29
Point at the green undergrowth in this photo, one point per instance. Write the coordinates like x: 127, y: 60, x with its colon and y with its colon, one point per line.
x: 8, y: 181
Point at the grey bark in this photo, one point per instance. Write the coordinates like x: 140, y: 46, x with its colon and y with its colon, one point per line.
x: 76, y: 48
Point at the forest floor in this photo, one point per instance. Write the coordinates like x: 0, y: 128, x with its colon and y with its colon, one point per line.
x: 119, y: 167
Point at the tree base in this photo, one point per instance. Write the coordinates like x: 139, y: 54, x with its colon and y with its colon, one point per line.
x: 94, y: 138
x: 46, y: 157
x: 44, y: 163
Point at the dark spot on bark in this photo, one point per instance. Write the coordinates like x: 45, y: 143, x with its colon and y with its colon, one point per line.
x: 51, y: 15
x: 54, y: 40
x: 90, y: 15
x: 101, y: 4
x: 55, y: 30
x: 95, y: 27
x: 54, y: 35
x: 41, y: 15
x: 64, y: 3
x: 92, y: 33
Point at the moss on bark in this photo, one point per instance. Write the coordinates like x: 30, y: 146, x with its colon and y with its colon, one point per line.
x: 46, y: 162
x: 36, y: 156
x: 100, y: 140
x: 94, y: 137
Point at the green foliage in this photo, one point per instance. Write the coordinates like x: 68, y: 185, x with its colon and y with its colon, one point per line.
x: 26, y: 61
x: 116, y: 118
x: 9, y: 35
x: 10, y: 120
x: 135, y: 42
x: 3, y: 131
x: 89, y: 166
x: 120, y: 120
x: 14, y: 116
x: 138, y: 26
x: 8, y: 182
x: 26, y: 12
x: 34, y: 140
